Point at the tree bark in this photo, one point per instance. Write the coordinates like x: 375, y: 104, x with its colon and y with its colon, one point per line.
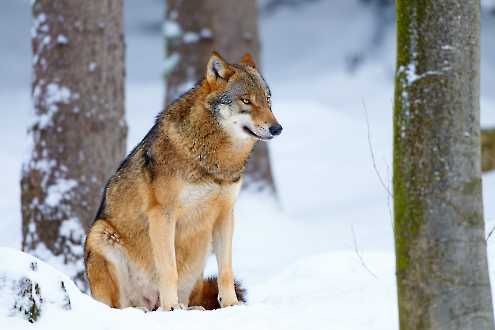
x: 441, y: 259
x: 79, y: 132
x: 488, y: 150
x: 193, y: 29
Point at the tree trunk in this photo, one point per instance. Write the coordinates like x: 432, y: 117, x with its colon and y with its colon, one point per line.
x: 193, y: 29
x: 441, y: 259
x: 488, y: 150
x: 79, y: 131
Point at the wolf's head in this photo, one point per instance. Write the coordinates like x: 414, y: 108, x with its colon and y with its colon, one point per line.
x: 240, y: 99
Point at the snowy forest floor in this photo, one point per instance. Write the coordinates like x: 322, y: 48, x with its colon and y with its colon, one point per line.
x: 322, y: 255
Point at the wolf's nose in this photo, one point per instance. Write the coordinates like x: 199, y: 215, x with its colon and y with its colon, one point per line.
x: 275, y: 129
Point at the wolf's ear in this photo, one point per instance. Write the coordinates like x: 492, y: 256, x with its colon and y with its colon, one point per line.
x: 248, y: 60
x: 217, y: 69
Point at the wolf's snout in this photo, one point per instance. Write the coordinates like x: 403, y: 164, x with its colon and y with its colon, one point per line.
x: 275, y: 129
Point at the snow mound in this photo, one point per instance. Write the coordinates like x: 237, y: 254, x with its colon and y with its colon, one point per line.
x: 309, y: 293
x: 29, y: 288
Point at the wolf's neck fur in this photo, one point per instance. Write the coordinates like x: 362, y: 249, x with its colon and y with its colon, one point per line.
x: 197, y: 135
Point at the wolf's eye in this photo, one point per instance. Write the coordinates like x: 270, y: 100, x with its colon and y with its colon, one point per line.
x: 245, y: 101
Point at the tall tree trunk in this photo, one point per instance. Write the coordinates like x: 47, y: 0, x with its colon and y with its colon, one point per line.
x: 193, y: 29
x: 79, y: 131
x: 442, y: 272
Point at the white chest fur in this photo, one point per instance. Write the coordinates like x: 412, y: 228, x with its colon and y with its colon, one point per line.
x: 193, y: 195
x: 200, y: 204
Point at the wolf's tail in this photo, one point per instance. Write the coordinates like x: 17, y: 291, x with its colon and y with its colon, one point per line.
x: 206, y: 294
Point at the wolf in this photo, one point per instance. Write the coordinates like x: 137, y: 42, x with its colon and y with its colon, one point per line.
x: 171, y: 200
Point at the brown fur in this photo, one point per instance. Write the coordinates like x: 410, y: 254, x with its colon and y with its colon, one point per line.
x: 205, y: 294
x: 173, y: 197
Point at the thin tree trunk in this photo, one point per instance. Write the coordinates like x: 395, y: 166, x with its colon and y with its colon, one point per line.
x: 442, y: 272
x: 79, y: 131
x: 193, y: 29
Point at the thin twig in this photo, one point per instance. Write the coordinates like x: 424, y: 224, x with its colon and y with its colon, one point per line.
x: 389, y: 204
x: 359, y: 254
x: 385, y: 185
x: 490, y: 233
x: 382, y: 182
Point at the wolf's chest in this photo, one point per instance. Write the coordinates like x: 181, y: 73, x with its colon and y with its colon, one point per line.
x: 200, y: 205
x: 199, y: 199
x: 193, y: 195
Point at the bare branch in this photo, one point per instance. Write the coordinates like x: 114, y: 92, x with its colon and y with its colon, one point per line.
x: 490, y: 233
x: 359, y: 254
x: 372, y: 153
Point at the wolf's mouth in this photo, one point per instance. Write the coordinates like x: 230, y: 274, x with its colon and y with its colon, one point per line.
x: 253, y: 134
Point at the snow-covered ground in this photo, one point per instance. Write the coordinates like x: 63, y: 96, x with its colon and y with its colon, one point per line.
x: 307, y: 294
x: 320, y: 257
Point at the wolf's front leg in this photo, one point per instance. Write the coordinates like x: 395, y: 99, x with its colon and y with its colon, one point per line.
x: 162, y: 236
x: 222, y: 246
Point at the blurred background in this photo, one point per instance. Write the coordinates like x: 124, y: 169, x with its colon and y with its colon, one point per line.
x: 330, y: 65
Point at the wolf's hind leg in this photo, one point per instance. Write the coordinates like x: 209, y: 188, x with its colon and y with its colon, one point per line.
x: 103, y: 240
x: 102, y: 280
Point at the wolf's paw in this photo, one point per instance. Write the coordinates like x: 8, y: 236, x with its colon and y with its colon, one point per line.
x: 227, y: 301
x: 174, y: 307
x: 196, y: 308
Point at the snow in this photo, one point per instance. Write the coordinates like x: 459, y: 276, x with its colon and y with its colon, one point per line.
x: 63, y: 40
x: 56, y: 192
x: 171, y: 29
x: 191, y: 37
x: 322, y: 255
x: 39, y: 24
x: 54, y: 290
x: 42, y: 252
x: 57, y: 93
x: 205, y: 33
x: 53, y: 96
x: 92, y: 67
x: 316, y: 291
x: 170, y: 62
